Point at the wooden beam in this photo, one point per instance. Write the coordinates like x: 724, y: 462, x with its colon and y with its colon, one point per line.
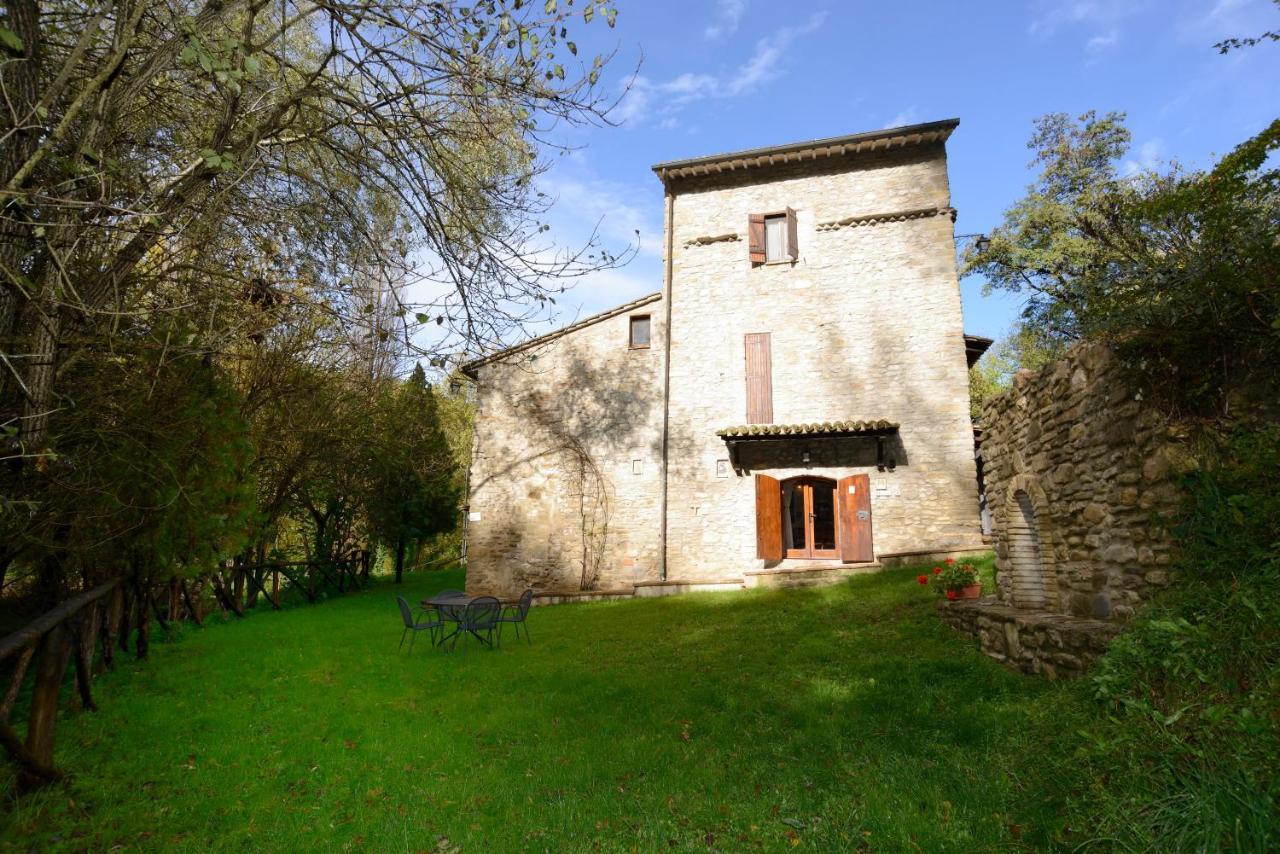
x: 33, y: 631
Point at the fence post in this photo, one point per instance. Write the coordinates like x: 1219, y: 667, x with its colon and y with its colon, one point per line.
x: 275, y: 587
x: 43, y: 717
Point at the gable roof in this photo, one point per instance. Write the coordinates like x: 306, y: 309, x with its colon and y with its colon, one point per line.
x: 817, y: 149
x: 469, y: 368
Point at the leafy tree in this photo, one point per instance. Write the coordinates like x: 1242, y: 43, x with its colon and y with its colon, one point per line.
x: 413, y: 488
x: 1177, y: 269
x: 1022, y: 349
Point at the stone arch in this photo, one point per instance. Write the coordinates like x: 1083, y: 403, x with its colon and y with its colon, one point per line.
x: 1028, y: 565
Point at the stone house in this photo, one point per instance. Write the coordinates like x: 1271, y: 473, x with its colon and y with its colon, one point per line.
x: 791, y: 407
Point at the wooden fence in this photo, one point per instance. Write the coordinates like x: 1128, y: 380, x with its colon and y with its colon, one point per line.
x: 89, y: 628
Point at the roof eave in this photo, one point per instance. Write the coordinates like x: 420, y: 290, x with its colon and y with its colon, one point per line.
x: 837, y: 146
x: 470, y: 368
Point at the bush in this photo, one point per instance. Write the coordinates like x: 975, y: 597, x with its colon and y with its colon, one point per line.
x: 1177, y: 740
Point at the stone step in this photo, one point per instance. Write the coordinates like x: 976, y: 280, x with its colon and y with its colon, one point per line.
x: 675, y: 586
x: 805, y: 576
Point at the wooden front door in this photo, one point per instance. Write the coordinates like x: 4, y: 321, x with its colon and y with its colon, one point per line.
x: 809, y: 517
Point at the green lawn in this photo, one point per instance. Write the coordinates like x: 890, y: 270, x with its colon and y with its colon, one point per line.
x: 827, y: 718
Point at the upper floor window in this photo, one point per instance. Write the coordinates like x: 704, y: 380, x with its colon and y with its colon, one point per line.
x: 639, y: 339
x: 772, y: 237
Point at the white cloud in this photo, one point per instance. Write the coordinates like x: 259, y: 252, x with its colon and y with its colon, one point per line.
x: 763, y: 66
x: 728, y: 15
x: 909, y: 116
x: 1229, y: 18
x: 1102, y: 42
x: 1150, y: 156
x: 1053, y: 15
x: 622, y: 214
x: 1102, y: 18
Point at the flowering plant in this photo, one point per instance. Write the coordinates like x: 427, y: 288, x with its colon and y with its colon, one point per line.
x: 953, y: 577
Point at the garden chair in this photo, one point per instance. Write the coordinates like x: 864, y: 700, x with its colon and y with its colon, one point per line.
x: 416, y: 624
x: 515, y: 614
x: 480, y: 619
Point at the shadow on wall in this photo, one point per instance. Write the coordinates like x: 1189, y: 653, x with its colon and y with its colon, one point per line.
x: 576, y: 417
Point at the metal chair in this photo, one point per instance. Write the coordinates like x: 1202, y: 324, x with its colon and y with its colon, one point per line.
x: 480, y: 620
x: 415, y: 624
x: 516, y: 614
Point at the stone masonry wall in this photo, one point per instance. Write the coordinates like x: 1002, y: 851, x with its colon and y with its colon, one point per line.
x: 566, y: 467
x: 865, y: 325
x: 1050, y: 645
x: 1074, y: 448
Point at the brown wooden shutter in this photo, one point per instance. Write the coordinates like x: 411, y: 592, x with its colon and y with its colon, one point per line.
x: 793, y: 244
x: 759, y: 378
x: 853, y: 507
x: 768, y: 518
x: 755, y: 238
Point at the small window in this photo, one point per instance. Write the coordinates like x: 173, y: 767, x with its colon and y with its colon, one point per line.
x: 775, y: 237
x: 639, y: 332
x: 772, y: 238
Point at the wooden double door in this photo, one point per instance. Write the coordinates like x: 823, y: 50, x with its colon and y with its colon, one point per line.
x: 814, y: 518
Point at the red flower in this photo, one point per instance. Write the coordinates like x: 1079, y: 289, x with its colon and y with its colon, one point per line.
x: 923, y: 579
x: 951, y: 594
x: 950, y: 561
x: 937, y: 569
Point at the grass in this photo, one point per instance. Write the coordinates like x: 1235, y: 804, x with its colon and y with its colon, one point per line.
x: 827, y: 718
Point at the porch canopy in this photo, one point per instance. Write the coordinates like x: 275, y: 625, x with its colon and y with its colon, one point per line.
x: 735, y: 436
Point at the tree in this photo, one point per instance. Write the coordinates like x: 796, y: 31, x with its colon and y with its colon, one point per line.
x: 1179, y: 270
x: 413, y: 489
x: 247, y: 191
x: 1023, y: 348
x: 153, y: 145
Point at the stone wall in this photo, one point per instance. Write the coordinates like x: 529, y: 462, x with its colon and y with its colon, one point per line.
x: 1079, y: 476
x: 1050, y: 645
x: 865, y: 325
x: 566, y: 466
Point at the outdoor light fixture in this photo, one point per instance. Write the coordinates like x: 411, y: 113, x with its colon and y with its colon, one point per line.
x: 982, y: 243
x: 804, y: 457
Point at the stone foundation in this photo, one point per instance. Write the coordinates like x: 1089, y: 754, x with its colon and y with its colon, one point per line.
x: 1055, y: 646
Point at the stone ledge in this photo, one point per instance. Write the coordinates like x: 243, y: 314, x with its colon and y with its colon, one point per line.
x: 815, y: 566
x: 893, y: 560
x: 561, y: 597
x: 1049, y: 644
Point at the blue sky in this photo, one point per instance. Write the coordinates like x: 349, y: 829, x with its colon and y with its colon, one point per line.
x: 721, y: 75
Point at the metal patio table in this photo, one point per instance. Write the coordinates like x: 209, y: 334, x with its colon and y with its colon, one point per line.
x: 454, y: 606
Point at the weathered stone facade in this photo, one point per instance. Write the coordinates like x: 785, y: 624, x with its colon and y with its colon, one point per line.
x: 566, y: 462
x: 1073, y: 448
x: 865, y: 324
x: 1080, y: 479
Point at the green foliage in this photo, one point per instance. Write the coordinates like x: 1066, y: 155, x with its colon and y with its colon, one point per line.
x: 1176, y: 269
x: 152, y: 465
x: 412, y: 490
x: 1185, y: 753
x: 993, y: 374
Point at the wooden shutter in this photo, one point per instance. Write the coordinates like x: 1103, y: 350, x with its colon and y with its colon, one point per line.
x: 793, y: 244
x: 759, y: 378
x: 768, y: 518
x: 755, y: 238
x: 853, y: 508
